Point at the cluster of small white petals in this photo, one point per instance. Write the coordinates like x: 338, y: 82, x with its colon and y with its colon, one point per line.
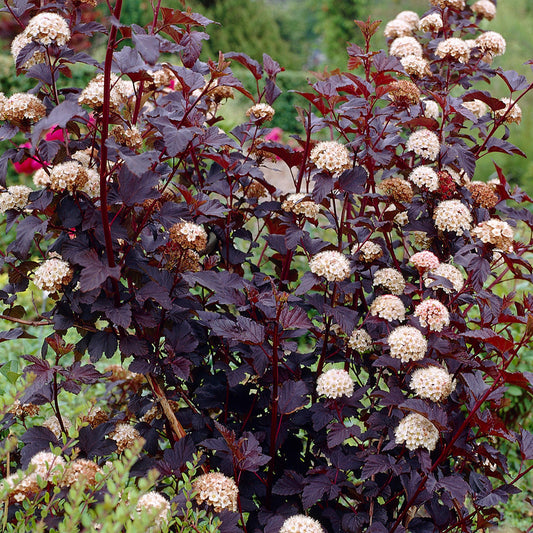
x: 424, y: 143
x: 69, y: 175
x: 153, y: 502
x: 91, y: 185
x: 334, y: 383
x: 425, y: 260
x: 454, y: 4
x: 86, y: 157
x: 407, y: 344
x: 52, y: 275
x: 48, y: 28
x: 496, y: 232
x: 461, y: 177
x: 405, y: 46
x: 46, y: 463
x: 476, y: 107
x: 425, y: 176
x: 451, y: 273
x: 23, y: 107
x: 93, y: 94
x: 511, y: 111
x: 416, y: 431
x: 454, y: 48
x: 17, y: 45
x: 331, y: 264
x: 331, y: 156
x: 125, y: 436
x: 189, y: 235
x: 401, y: 219
x: 261, y: 111
x: 81, y: 470
x: 23, y: 409
x: 431, y: 109
x: 432, y: 383
x: 397, y: 28
x: 300, y: 523
x: 389, y: 307
x: 360, y: 341
x: 216, y: 490
x: 16, y: 197
x: 433, y: 314
x: 299, y: 204
x: 415, y: 65
x: 130, y: 137
x: 431, y: 23
x: 410, y: 17
x: 485, y: 9
x: 491, y: 42
x: 391, y: 279
x: 452, y: 215
x: 41, y: 178
x: 27, y: 486
x: 370, y: 251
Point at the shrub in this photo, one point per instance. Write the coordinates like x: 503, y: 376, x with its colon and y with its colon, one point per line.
x: 343, y: 364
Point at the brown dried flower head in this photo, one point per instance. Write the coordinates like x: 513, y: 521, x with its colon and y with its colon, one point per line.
x: 511, y: 111
x: 491, y: 43
x: 81, y: 470
x: 454, y: 4
x: 188, y: 236
x: 483, y: 194
x: 404, y: 93
x: 398, y: 188
x: 261, y: 112
x: 299, y: 204
x: 125, y: 436
x: 431, y: 23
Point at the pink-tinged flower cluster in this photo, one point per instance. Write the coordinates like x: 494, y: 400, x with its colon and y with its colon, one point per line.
x: 432, y: 314
x: 425, y: 260
x: 432, y: 383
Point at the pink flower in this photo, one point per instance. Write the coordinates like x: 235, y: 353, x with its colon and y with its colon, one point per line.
x: 274, y: 135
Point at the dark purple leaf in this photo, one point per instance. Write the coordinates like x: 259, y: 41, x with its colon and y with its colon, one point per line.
x: 177, y: 140
x: 192, y: 47
x: 526, y: 445
x: 456, y: 486
x: 315, y: 490
x: 93, y: 442
x: 294, y: 318
x: 95, y: 272
x: 36, y: 439
x: 174, y: 460
x: 251, y: 64
x: 289, y: 483
x: 375, y: 464
x: 293, y: 396
x: 119, y: 316
x: 128, y: 60
x: 102, y: 342
x: 26, y: 231
x: 147, y: 46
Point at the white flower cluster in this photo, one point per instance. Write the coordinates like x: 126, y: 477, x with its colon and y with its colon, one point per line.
x: 407, y: 344
x: 416, y: 431
x: 300, y: 523
x: 299, y: 205
x: 369, y: 250
x: 333, y: 265
x: 391, y: 279
x: 81, y: 470
x: 476, y: 107
x: 485, y: 9
x: 125, y: 436
x: 93, y: 94
x: 451, y: 273
x: 397, y: 28
x: 334, y: 383
x: 48, y: 28
x: 16, y: 197
x: 415, y: 65
x: 492, y: 43
x: 21, y: 41
x: 424, y: 260
x: 216, y: 490
x: 22, y: 107
x: 431, y: 23
x: 52, y: 275
x: 431, y: 109
x: 46, y: 463
x: 388, y: 307
x: 52, y: 423
x: 263, y: 112
x: 331, y: 156
x: 452, y: 215
x: 511, y: 111
x: 454, y: 48
x: 405, y: 46
x: 432, y: 383
x: 360, y: 341
x: 424, y: 143
x: 154, y: 503
x: 433, y: 314
x: 496, y: 232
x: 426, y: 177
